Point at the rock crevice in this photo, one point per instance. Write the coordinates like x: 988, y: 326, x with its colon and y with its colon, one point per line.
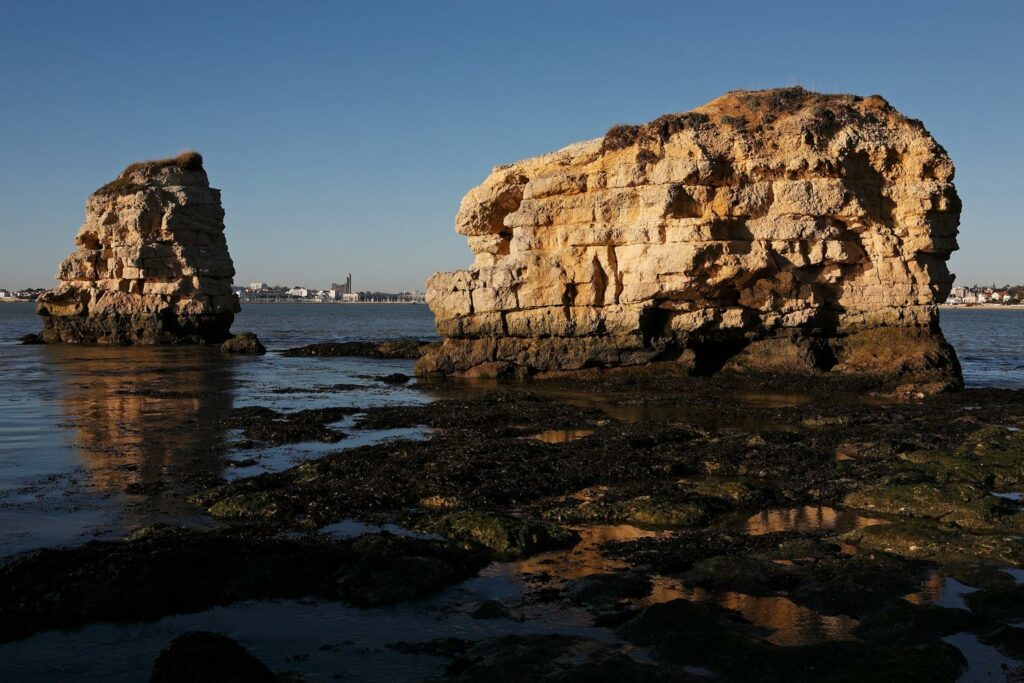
x: 765, y: 230
x: 151, y: 265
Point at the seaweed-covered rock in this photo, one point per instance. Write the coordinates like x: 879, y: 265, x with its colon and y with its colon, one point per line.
x: 267, y: 426
x: 959, y: 504
x: 644, y: 510
x: 507, y: 537
x: 1006, y: 603
x: 924, y: 540
x: 598, y: 590
x: 197, y: 570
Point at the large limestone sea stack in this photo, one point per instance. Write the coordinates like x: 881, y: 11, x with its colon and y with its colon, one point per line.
x: 777, y: 230
x: 152, y: 264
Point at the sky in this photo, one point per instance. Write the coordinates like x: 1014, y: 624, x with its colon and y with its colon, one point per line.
x: 344, y: 134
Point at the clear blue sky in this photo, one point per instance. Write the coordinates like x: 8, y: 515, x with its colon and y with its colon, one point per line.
x: 344, y: 134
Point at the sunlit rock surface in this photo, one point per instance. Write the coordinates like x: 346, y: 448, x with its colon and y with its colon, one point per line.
x: 775, y: 230
x: 152, y: 264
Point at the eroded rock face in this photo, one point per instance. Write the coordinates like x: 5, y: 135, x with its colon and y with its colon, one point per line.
x: 152, y: 264
x: 777, y: 230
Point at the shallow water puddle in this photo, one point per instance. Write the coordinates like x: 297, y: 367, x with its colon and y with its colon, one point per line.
x: 791, y: 624
x: 1017, y: 574
x: 278, y: 458
x: 585, y: 557
x: 321, y: 640
x: 942, y: 591
x: 808, y: 518
x: 1015, y: 496
x: 351, y: 528
x: 561, y: 435
x: 984, y: 662
x: 111, y: 438
x: 773, y: 400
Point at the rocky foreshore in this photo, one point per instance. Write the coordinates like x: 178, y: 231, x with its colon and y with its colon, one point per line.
x: 757, y: 527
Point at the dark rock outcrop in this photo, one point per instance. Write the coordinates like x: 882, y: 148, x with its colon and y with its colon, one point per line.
x: 245, y: 343
x: 390, y: 348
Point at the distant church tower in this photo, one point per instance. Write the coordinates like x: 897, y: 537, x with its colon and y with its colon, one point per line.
x: 345, y: 288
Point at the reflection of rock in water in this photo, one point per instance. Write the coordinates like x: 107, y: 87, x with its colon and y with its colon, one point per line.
x: 808, y: 518
x: 146, y: 419
x: 790, y: 623
x: 586, y: 557
x: 932, y: 589
x: 562, y: 435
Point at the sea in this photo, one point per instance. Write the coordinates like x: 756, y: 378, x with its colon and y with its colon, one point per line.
x: 90, y: 436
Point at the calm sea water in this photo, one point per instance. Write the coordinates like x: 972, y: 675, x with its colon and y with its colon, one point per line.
x: 82, y: 426
x: 96, y: 441
x: 990, y: 344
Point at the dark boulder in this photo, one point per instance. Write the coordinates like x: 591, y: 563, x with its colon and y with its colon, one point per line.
x: 244, y: 343
x: 202, y: 657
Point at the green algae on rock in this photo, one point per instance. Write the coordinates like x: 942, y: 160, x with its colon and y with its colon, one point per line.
x: 958, y: 504
x: 506, y: 537
x: 925, y: 540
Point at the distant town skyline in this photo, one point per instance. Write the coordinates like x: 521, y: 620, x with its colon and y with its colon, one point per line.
x: 344, y: 135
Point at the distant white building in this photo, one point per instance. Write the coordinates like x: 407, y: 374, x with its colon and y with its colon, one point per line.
x: 300, y: 292
x: 4, y: 294
x: 350, y: 297
x: 257, y: 286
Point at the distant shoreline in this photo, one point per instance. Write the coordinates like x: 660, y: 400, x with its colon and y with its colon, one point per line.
x: 260, y: 303
x: 945, y: 307
x: 983, y: 307
x: 340, y: 303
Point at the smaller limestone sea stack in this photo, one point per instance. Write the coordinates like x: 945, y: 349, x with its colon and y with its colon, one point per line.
x: 780, y: 231
x: 152, y: 264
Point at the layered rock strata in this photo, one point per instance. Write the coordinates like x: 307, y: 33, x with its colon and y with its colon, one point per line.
x: 152, y: 264
x: 778, y: 230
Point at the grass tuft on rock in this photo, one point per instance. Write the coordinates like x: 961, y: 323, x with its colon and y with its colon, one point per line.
x: 189, y: 160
